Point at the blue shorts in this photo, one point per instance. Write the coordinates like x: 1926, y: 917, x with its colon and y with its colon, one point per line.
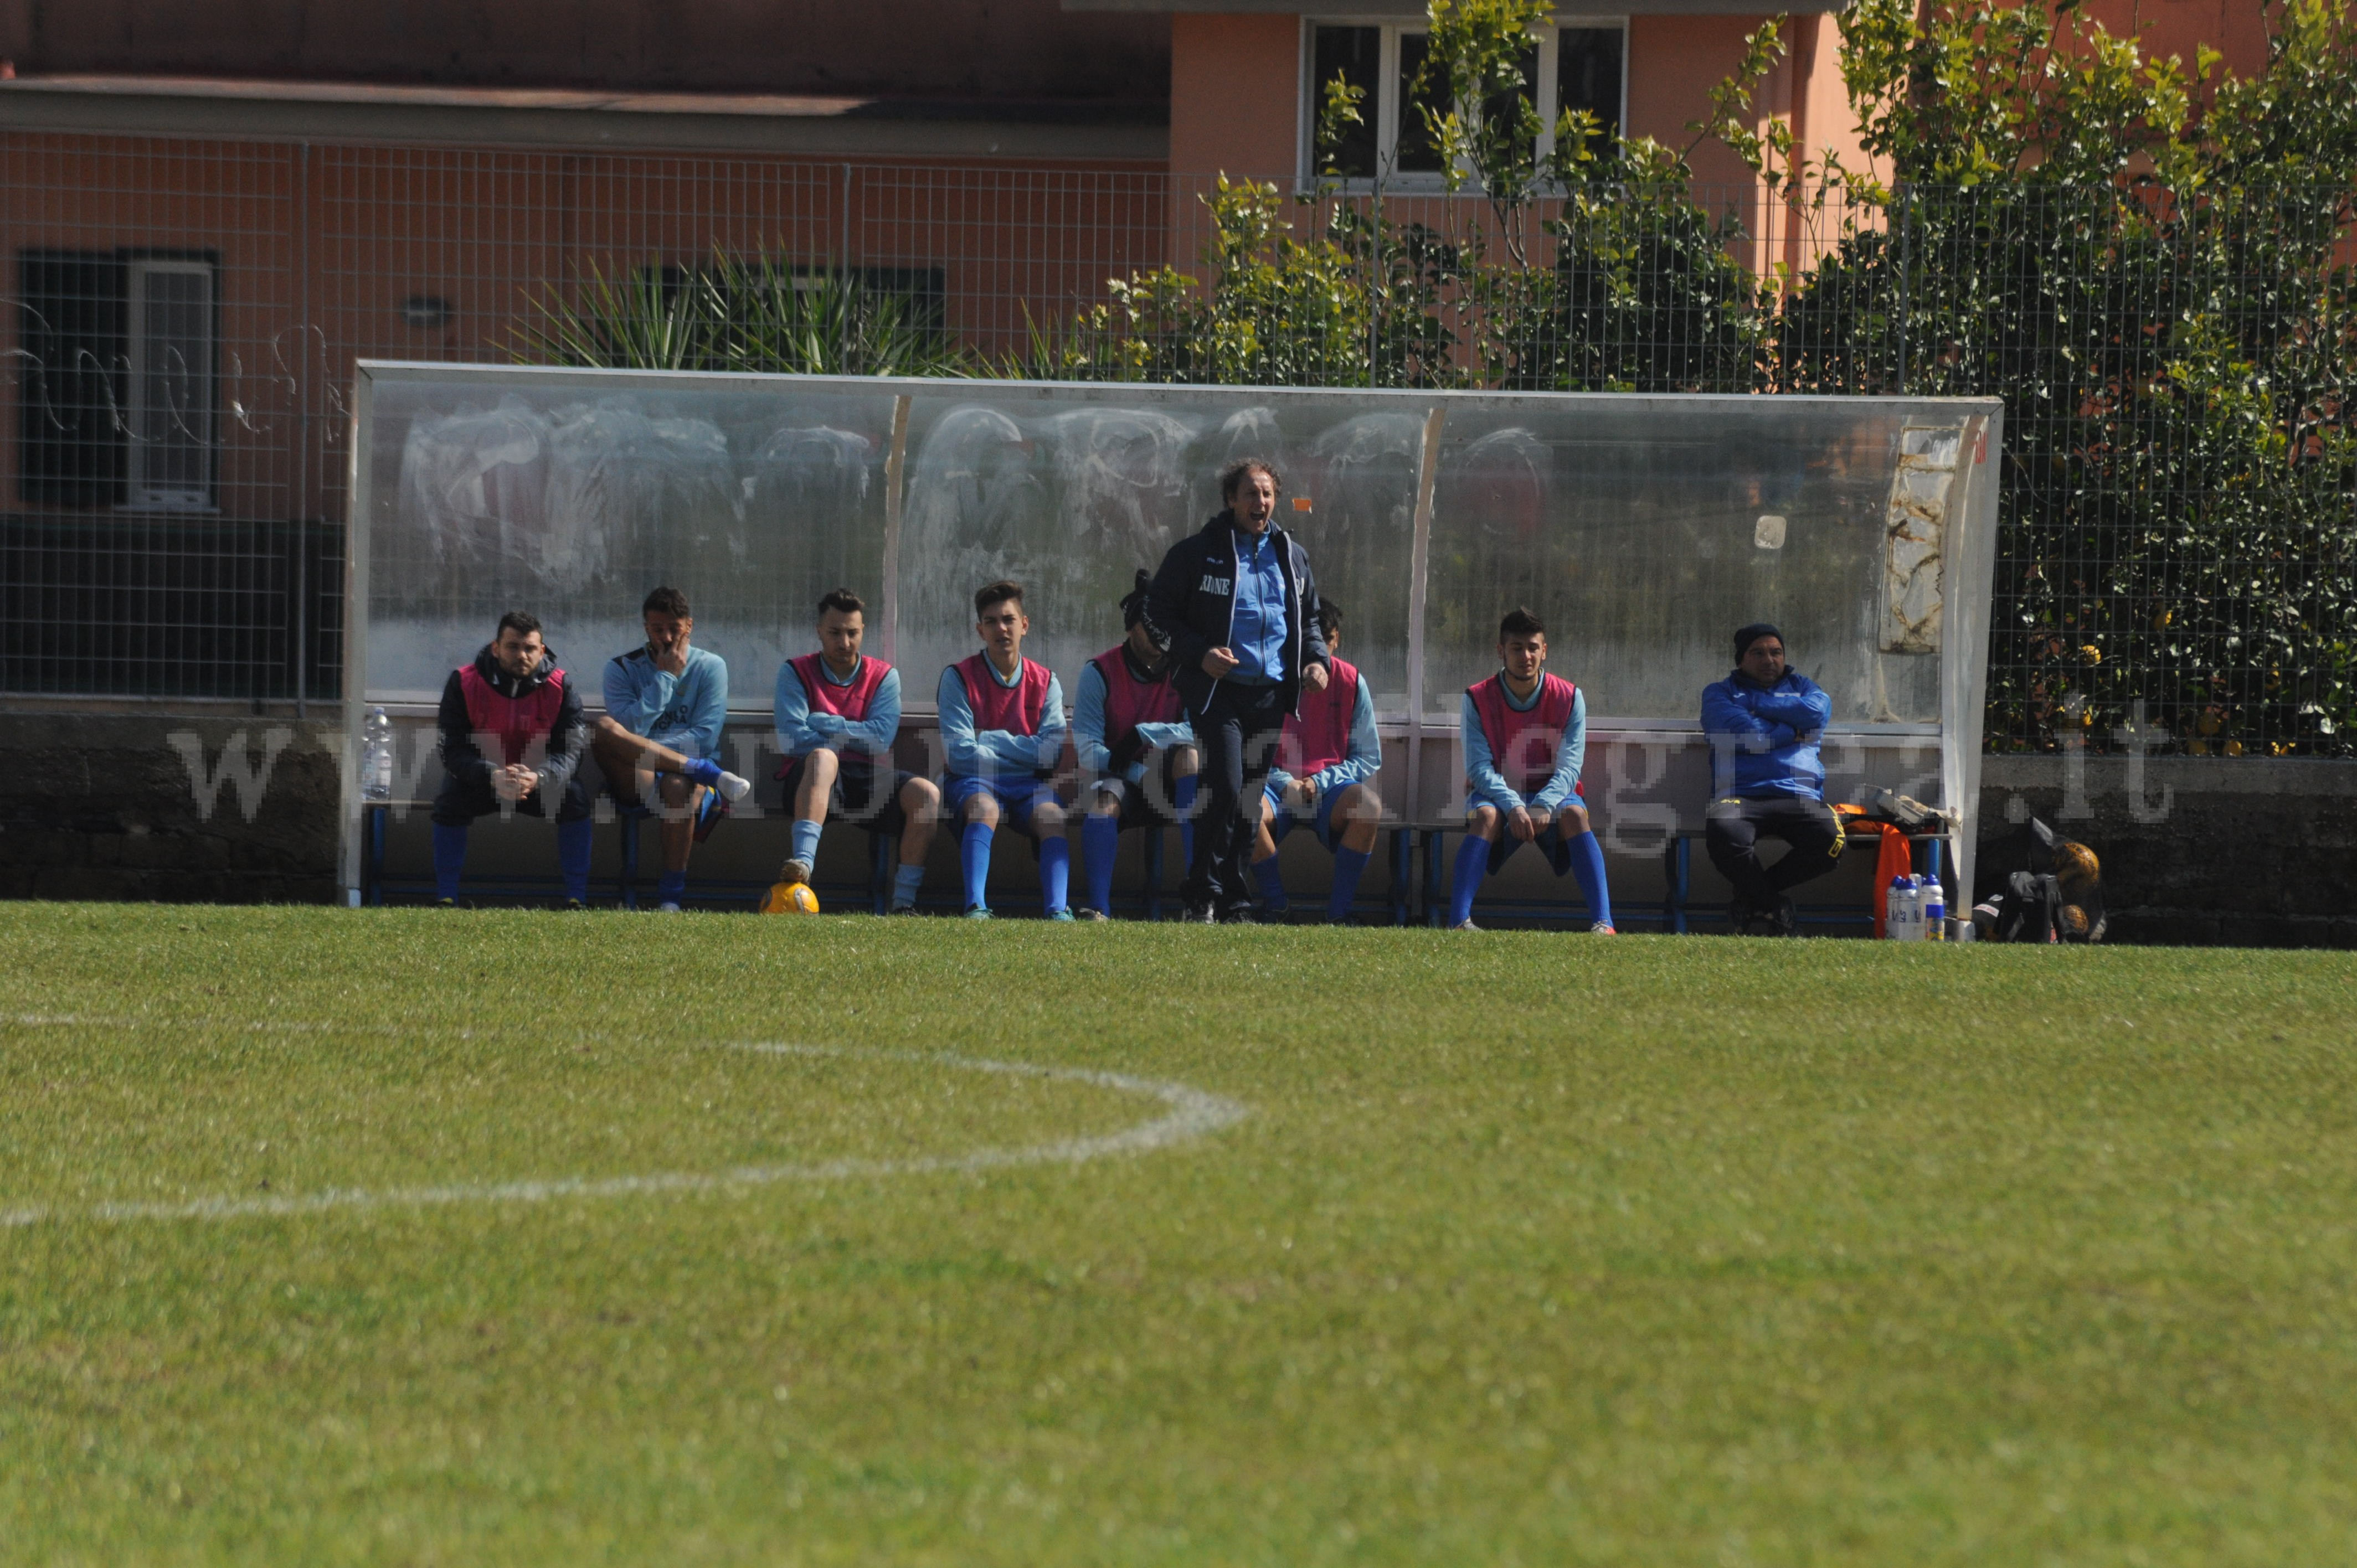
x: 1018, y: 797
x: 1321, y: 821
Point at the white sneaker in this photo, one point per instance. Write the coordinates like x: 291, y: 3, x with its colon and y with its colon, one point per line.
x: 1602, y: 930
x: 735, y: 787
x: 667, y: 908
x: 1465, y: 925
x: 795, y: 871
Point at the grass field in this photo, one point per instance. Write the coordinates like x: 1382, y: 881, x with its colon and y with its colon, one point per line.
x: 1381, y: 1247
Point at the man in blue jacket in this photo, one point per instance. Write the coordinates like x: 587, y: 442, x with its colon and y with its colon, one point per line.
x: 1763, y: 723
x: 1229, y: 603
x: 657, y: 742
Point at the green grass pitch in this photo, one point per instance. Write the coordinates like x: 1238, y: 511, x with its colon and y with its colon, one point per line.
x: 487, y: 1237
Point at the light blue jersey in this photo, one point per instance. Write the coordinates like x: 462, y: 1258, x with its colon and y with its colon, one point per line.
x: 683, y: 711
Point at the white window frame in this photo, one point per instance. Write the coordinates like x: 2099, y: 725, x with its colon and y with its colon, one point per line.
x: 139, y: 493
x: 1388, y: 105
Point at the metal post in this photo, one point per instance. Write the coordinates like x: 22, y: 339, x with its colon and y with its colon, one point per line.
x: 302, y: 586
x: 1906, y: 246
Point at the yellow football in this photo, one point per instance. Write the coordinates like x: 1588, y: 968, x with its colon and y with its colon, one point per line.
x: 789, y: 898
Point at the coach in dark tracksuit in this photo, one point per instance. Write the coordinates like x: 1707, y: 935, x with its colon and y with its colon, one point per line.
x: 1767, y: 780
x: 1228, y: 604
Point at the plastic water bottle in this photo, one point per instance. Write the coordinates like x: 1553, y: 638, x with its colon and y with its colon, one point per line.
x: 1935, y: 913
x: 376, y: 757
x: 1894, y: 910
x: 1910, y: 911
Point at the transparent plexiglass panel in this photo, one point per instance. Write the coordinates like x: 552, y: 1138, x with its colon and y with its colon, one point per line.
x: 571, y: 494
x: 1644, y: 530
x: 1070, y: 491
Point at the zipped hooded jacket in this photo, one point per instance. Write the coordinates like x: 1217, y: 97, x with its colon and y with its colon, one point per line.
x: 567, y: 737
x: 1191, y: 604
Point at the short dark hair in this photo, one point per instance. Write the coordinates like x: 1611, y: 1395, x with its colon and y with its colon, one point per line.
x: 1520, y: 622
x: 524, y: 622
x: 841, y: 599
x: 996, y: 593
x: 1329, y: 616
x: 1234, y: 475
x: 666, y: 602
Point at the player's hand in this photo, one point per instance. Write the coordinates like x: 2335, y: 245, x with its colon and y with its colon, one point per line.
x: 504, y: 783
x: 1314, y: 677
x: 526, y: 781
x: 1219, y: 661
x: 1519, y: 823
x: 1307, y: 788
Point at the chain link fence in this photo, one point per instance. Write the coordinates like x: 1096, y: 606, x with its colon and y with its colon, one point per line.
x: 2178, y: 523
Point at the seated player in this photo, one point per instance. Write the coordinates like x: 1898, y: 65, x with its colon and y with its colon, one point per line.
x: 1767, y: 782
x: 1132, y: 733
x: 1331, y: 741
x: 1002, y: 720
x: 1525, y: 739
x: 838, y: 713
x: 512, y: 701
x: 665, y: 702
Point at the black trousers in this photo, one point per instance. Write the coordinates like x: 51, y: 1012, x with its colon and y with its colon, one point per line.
x: 1236, y: 735
x: 456, y: 804
x: 1732, y: 830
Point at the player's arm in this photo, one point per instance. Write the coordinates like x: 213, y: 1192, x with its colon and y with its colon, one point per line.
x: 1805, y: 711
x: 709, y: 713
x: 874, y: 734
x: 1365, y: 756
x: 1047, y: 751
x: 625, y: 704
x: 460, y: 755
x: 961, y: 745
x: 1570, y: 757
x: 1729, y: 725
x: 1483, y: 782
x: 1088, y: 723
x: 567, y: 738
x: 790, y: 713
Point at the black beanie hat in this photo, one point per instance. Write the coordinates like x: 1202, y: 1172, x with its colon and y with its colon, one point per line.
x: 1751, y: 633
x: 1132, y: 603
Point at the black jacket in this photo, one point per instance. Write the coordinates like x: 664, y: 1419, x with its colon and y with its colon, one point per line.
x: 566, y: 740
x: 1191, y: 604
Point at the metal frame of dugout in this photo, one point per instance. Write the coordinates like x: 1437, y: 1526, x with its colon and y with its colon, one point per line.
x: 1643, y: 528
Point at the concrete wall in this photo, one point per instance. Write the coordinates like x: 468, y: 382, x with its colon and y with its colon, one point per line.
x: 2248, y: 852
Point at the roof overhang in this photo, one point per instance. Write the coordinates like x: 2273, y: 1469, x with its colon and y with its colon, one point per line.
x: 1413, y: 9
x: 1054, y: 129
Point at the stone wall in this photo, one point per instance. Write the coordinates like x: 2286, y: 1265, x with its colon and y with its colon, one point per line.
x: 2248, y: 851
x: 110, y: 806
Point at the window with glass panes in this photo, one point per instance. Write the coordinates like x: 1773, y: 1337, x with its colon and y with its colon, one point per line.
x: 1575, y: 64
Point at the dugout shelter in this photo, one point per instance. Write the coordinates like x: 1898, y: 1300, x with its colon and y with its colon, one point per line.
x: 1643, y: 529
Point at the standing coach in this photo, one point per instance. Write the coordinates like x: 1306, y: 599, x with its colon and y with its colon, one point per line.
x: 1229, y: 604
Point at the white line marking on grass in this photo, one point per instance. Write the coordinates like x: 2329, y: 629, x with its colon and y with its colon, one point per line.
x: 1192, y: 1113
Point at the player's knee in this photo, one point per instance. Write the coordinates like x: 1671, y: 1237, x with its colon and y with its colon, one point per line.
x: 1573, y: 819
x: 1186, y: 761
x: 1104, y: 803
x: 1047, y: 816
x: 1482, y: 819
x: 980, y: 808
x: 921, y: 797
x: 675, y: 790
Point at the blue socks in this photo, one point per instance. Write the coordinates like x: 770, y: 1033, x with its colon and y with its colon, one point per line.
x: 1271, y: 883
x: 1349, y: 865
x: 805, y: 840
x: 1099, y: 843
x: 1055, y: 869
x: 973, y: 855
x: 1587, y: 865
x: 905, y: 883
x: 1182, y: 796
x: 671, y: 887
x: 702, y: 771
x: 449, y: 858
x: 1472, y: 864
x: 573, y: 841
